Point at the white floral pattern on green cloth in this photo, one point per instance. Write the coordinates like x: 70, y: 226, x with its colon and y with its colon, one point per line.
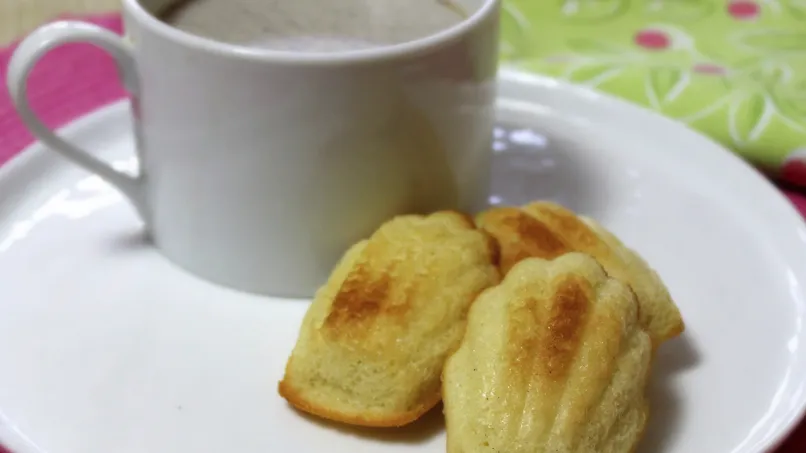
x: 734, y: 70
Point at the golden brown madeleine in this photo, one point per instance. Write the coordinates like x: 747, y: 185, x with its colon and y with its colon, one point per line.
x: 374, y: 341
x: 547, y: 230
x: 554, y: 360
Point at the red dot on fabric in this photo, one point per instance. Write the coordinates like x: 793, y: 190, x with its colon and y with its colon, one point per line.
x: 744, y: 9
x: 653, y: 39
x: 709, y: 69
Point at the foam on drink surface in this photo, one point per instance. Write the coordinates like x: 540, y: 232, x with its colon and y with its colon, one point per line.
x: 311, y: 43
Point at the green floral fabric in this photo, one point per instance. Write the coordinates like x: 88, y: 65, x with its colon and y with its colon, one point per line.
x: 734, y: 70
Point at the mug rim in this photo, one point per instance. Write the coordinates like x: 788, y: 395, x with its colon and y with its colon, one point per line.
x: 374, y: 54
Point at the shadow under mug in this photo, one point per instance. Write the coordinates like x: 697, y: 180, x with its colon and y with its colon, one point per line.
x: 259, y: 168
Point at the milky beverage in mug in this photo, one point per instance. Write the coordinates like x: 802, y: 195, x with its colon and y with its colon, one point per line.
x: 273, y: 134
x: 314, y: 25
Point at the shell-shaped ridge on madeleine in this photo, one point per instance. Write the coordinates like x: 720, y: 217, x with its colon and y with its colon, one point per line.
x: 547, y: 230
x: 375, y: 338
x: 554, y: 360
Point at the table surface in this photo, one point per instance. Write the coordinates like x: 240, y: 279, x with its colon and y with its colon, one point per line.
x: 18, y: 17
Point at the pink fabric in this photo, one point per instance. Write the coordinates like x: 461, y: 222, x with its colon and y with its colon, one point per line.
x: 69, y: 81
x: 78, y: 78
x: 799, y: 200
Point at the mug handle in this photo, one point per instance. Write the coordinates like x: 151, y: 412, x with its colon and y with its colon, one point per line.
x: 26, y: 56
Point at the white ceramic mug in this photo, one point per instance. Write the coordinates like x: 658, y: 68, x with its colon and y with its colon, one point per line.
x: 258, y: 168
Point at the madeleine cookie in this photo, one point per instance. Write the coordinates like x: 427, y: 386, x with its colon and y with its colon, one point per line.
x: 546, y: 230
x: 374, y: 341
x: 554, y: 361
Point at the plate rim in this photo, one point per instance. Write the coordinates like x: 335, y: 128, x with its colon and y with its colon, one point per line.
x: 36, y: 153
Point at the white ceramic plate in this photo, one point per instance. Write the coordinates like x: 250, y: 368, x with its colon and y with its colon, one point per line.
x: 107, y: 348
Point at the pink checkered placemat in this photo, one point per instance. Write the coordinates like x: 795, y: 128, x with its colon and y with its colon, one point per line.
x: 78, y: 78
